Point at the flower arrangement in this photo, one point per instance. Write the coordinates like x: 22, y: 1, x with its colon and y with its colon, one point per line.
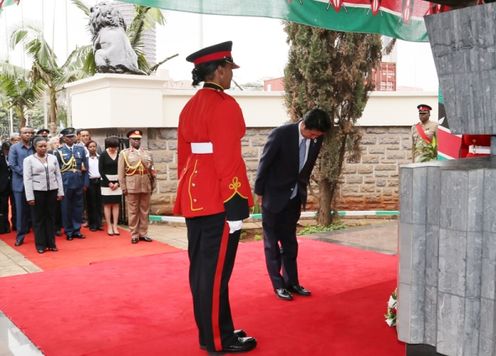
x: 392, y: 309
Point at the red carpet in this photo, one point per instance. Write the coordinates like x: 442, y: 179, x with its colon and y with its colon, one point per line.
x: 142, y: 305
x: 97, y: 246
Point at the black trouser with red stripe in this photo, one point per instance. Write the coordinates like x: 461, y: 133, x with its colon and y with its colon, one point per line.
x: 211, y: 253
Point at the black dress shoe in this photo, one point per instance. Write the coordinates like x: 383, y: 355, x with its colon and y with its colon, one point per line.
x: 93, y: 229
x: 241, y: 344
x: 40, y: 250
x: 237, y: 333
x: 54, y: 249
x: 19, y: 242
x: 78, y: 235
x: 145, y: 238
x: 69, y: 237
x: 134, y: 240
x: 283, y: 294
x: 300, y: 290
x: 58, y: 233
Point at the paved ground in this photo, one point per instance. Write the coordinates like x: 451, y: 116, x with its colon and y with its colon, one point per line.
x: 379, y: 236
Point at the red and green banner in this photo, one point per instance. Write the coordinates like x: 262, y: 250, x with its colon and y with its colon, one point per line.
x: 4, y: 3
x: 402, y: 19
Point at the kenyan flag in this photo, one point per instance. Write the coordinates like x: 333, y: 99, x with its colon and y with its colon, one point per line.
x: 401, y: 19
x: 4, y: 3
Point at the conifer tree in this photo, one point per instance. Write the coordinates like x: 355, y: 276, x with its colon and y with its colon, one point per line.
x: 330, y: 70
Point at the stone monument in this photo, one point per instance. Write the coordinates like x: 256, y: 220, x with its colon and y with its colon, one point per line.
x: 112, y: 49
x: 447, y: 230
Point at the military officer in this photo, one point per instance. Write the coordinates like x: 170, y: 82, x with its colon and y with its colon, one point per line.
x: 73, y: 164
x: 213, y: 194
x: 423, y: 133
x: 137, y: 179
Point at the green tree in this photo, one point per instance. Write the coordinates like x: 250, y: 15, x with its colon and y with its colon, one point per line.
x: 45, y: 67
x: 331, y: 70
x: 20, y: 92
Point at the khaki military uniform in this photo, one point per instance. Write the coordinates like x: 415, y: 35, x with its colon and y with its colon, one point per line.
x: 419, y: 145
x: 136, y: 176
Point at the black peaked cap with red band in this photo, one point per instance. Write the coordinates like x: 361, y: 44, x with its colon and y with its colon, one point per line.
x: 220, y: 51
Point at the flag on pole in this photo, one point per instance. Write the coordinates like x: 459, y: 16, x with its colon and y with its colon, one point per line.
x: 402, y: 19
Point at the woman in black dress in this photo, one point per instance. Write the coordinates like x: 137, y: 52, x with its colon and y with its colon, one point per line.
x: 111, y: 191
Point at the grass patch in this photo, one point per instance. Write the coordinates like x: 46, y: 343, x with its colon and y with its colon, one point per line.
x: 315, y: 229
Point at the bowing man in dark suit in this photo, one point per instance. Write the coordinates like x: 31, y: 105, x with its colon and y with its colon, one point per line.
x: 281, y: 186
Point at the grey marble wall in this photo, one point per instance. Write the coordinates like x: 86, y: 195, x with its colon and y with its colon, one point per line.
x: 447, y: 249
x: 463, y: 43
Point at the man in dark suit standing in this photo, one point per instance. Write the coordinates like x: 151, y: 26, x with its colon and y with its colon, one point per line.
x: 17, y: 153
x: 281, y: 186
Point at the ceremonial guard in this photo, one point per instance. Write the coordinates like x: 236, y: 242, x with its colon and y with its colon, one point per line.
x: 73, y: 166
x: 213, y: 194
x: 423, y: 135
x: 137, y: 180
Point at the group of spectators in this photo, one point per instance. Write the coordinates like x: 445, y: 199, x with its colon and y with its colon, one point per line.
x: 53, y: 183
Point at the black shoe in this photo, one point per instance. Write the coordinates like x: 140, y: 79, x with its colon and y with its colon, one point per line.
x: 19, y: 242
x: 54, y: 249
x: 300, y: 290
x: 145, y: 238
x: 237, y: 333
x: 58, y: 233
x: 78, y: 235
x: 93, y: 229
x: 100, y: 228
x: 69, y: 237
x: 283, y: 294
x: 241, y: 344
x: 134, y: 240
x: 40, y: 250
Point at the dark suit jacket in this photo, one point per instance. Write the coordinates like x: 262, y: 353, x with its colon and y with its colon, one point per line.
x: 5, y: 176
x: 278, y: 173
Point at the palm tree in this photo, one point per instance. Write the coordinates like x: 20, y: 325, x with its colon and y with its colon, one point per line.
x: 20, y: 91
x: 45, y: 67
x: 145, y: 18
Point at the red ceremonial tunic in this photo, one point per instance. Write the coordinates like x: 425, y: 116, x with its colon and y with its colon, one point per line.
x: 211, y: 183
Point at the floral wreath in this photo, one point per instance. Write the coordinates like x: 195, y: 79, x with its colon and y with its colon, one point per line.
x: 392, y: 309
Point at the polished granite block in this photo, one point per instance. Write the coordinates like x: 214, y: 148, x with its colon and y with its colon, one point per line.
x: 473, y: 265
x: 489, y: 207
x: 487, y: 330
x: 463, y: 46
x: 449, y: 323
x: 430, y: 305
x: 488, y: 265
x: 433, y: 196
x: 453, y: 200
x: 447, y: 264
x: 431, y: 255
x: 411, y: 313
x: 451, y: 262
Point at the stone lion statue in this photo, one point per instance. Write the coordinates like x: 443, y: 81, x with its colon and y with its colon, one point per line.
x: 111, y: 46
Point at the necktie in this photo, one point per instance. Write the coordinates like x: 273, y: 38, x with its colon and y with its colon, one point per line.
x: 303, y: 151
